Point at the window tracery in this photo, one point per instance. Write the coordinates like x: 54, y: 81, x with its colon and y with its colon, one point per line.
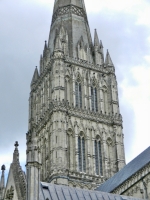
x: 98, y: 156
x: 81, y: 149
x: 94, y: 98
x: 78, y: 93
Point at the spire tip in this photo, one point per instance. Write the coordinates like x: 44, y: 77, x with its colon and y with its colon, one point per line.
x: 16, y: 144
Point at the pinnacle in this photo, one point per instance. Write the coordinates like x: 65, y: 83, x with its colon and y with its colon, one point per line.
x: 96, y: 40
x: 2, y: 180
x: 101, y: 44
x: 16, y: 153
x: 45, y: 47
x: 35, y: 76
x: 16, y: 144
x: 108, y: 60
x: 3, y: 168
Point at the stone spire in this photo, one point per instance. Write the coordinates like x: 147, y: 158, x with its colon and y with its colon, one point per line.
x: 71, y: 14
x: 61, y: 3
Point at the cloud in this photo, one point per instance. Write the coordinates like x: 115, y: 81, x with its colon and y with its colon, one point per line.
x: 126, y: 32
x: 22, y: 36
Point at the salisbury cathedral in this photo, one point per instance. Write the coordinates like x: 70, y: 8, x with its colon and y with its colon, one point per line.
x: 75, y: 147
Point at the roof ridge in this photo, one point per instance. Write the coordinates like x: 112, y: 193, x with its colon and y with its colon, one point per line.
x: 126, y: 172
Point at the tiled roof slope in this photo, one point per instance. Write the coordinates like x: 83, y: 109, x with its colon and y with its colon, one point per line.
x: 125, y: 173
x: 59, y: 192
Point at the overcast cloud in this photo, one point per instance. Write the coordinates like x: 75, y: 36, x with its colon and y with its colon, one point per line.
x: 123, y: 27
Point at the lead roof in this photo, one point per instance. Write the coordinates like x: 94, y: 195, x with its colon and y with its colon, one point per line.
x: 59, y: 192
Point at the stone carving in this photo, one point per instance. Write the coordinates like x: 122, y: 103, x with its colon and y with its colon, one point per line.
x: 10, y: 193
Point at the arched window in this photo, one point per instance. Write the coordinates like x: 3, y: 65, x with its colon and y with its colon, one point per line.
x: 78, y: 91
x: 94, y: 98
x: 81, y: 148
x: 98, y: 158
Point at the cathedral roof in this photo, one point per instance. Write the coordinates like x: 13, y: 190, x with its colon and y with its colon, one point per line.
x: 55, y: 192
x: 125, y: 173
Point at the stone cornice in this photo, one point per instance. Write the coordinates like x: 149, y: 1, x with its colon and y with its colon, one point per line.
x: 63, y: 106
x: 88, y: 65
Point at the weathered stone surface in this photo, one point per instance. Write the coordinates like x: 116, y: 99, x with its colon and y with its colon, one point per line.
x: 16, y: 182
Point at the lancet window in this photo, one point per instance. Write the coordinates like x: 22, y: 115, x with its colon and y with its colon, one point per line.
x: 81, y: 149
x: 94, y: 99
x: 98, y: 157
x: 78, y: 91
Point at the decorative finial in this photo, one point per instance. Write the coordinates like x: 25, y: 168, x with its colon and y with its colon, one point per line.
x: 3, y: 168
x: 16, y: 144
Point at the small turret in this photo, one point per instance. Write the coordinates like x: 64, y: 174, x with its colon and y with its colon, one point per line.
x: 2, y: 182
x: 35, y: 76
x: 2, y: 185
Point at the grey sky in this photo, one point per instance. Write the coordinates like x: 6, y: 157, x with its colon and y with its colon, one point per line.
x: 24, y: 26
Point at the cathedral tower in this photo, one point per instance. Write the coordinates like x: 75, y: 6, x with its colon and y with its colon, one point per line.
x: 75, y: 126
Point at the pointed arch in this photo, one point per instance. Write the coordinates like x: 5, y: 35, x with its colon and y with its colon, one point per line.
x: 105, y: 98
x: 109, y: 143
x: 78, y: 91
x: 94, y: 96
x: 81, y: 150
x: 71, y: 149
x: 82, y: 49
x: 98, y: 156
x: 67, y: 86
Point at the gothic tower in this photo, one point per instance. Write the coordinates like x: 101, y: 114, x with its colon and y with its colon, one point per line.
x: 75, y: 126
